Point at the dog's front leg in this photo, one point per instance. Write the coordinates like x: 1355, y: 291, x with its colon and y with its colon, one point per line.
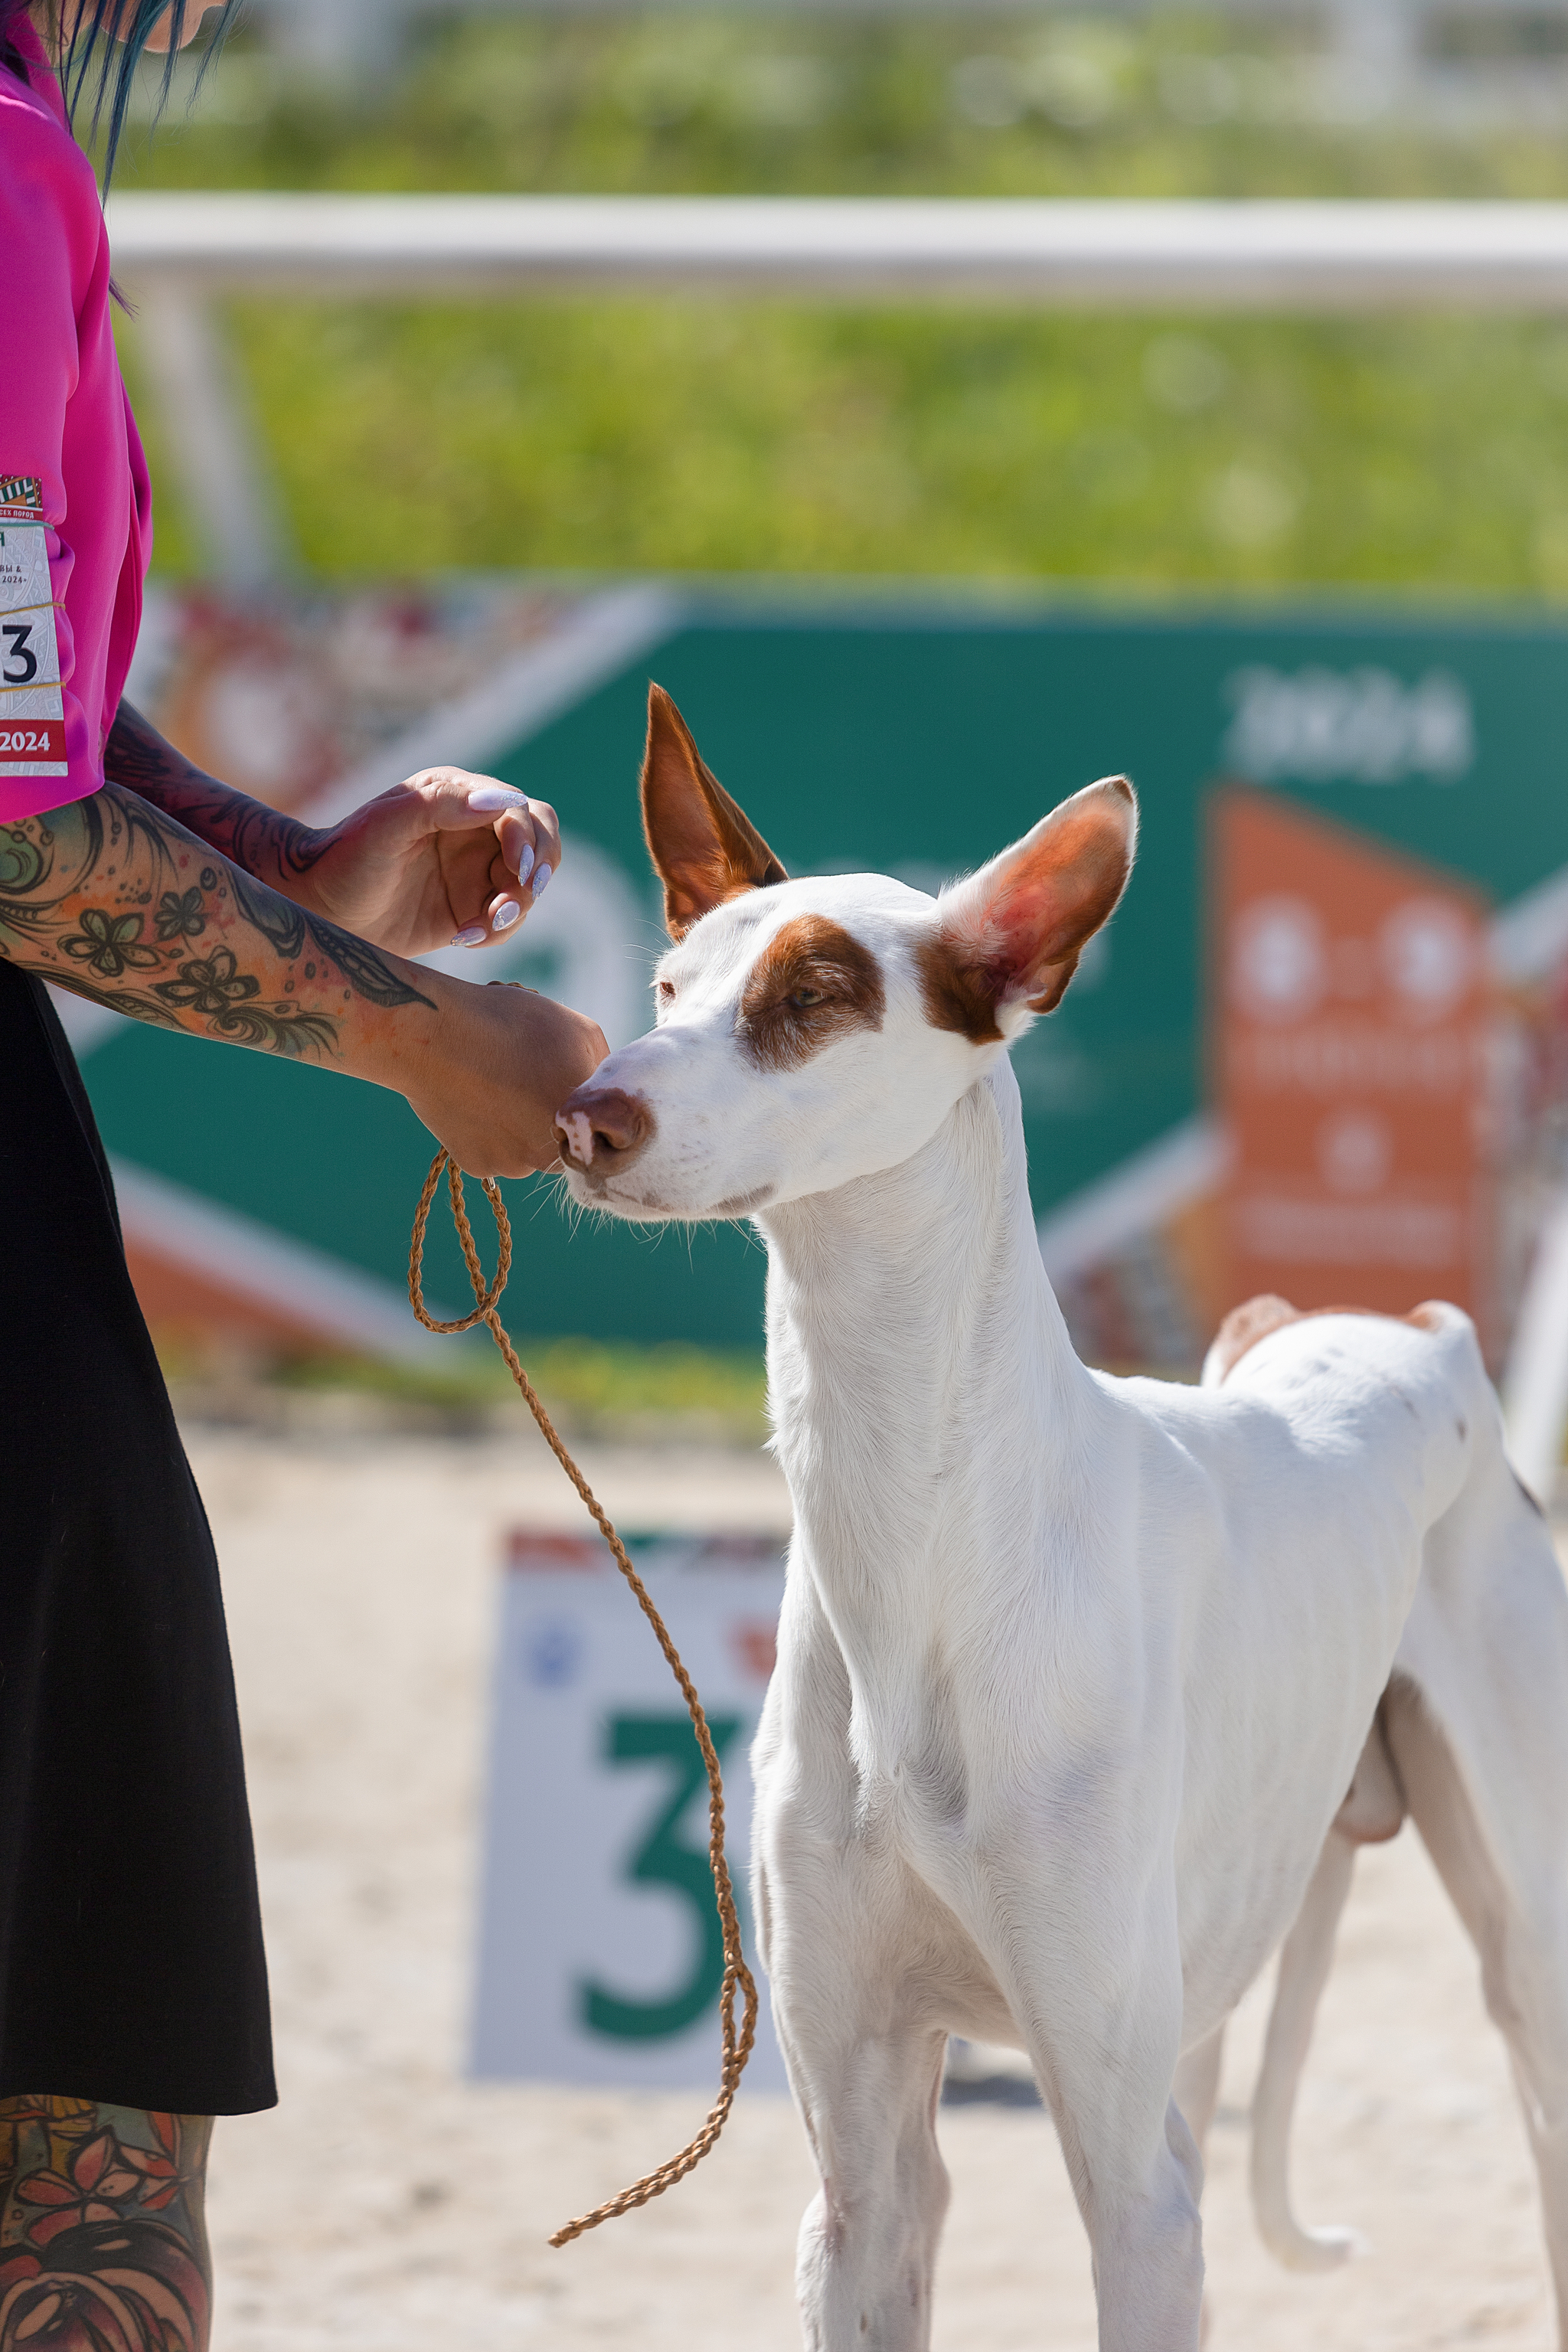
x: 1142, y: 2211
x: 866, y: 2254
x: 1102, y: 2015
x: 865, y: 2059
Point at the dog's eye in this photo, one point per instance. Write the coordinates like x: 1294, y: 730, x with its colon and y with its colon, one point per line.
x: 803, y: 999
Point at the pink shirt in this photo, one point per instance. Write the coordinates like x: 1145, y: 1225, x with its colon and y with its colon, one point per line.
x: 65, y: 426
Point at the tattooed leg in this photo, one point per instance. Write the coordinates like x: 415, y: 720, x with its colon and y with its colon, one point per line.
x: 102, y: 2227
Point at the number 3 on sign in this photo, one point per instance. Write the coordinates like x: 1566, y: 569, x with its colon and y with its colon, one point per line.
x: 21, y: 664
x: 664, y: 1859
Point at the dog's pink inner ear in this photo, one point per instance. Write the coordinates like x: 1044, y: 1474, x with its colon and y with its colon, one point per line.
x: 703, y: 845
x: 1012, y: 934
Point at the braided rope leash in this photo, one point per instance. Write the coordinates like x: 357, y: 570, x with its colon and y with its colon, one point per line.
x: 737, y: 2040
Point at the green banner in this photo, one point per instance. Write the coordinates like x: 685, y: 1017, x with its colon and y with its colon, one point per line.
x: 914, y: 737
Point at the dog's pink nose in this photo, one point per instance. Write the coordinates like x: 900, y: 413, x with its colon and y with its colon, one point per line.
x: 602, y: 1127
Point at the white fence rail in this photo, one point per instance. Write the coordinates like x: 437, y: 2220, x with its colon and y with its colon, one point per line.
x: 1106, y: 254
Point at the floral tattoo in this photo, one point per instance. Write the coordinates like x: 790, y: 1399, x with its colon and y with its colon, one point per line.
x: 180, y: 915
x: 118, y: 903
x: 109, y: 944
x: 103, y: 2235
x: 214, y: 986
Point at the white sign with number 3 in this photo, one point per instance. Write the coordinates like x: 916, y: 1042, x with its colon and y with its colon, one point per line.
x: 600, y: 1953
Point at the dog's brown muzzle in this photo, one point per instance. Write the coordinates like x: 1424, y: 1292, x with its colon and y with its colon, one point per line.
x: 601, y: 1130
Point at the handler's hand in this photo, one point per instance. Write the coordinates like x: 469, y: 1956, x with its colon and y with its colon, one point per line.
x: 500, y: 1062
x: 447, y: 859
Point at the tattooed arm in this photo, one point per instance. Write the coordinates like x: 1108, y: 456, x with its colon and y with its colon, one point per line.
x: 445, y: 859
x: 113, y: 900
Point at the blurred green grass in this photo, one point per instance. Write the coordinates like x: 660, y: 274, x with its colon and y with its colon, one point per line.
x: 1026, y: 101
x: 1427, y: 453
x: 682, y: 437
x: 671, y: 1393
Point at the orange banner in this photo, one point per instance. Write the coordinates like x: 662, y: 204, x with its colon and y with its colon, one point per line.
x: 1353, y: 1006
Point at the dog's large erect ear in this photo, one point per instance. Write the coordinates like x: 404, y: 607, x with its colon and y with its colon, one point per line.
x: 1010, y: 937
x: 704, y: 847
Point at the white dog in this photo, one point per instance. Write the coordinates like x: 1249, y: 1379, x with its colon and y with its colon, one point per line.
x: 1074, y: 1673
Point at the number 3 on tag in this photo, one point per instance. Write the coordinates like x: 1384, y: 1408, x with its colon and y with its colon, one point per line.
x: 32, y: 707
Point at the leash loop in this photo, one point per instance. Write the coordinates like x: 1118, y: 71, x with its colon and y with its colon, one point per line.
x: 737, y: 2034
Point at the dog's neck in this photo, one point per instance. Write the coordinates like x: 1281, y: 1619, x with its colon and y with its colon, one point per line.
x: 929, y: 1406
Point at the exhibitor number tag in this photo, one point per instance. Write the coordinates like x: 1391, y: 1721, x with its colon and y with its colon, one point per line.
x: 32, y: 708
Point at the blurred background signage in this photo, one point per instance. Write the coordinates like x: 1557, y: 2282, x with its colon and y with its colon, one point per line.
x: 600, y: 1954
x: 1201, y: 361
x: 913, y: 736
x: 1354, y: 1016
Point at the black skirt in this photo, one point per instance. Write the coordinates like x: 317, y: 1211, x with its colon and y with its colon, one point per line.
x: 131, y: 1959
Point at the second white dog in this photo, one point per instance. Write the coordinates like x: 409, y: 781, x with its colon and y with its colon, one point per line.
x: 1074, y: 1673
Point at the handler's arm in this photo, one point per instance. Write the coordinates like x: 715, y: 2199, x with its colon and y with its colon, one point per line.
x: 112, y: 899
x: 444, y: 858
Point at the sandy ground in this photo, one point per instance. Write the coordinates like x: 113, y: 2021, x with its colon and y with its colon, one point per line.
x: 387, y: 2206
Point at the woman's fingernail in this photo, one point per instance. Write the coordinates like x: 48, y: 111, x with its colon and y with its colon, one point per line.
x: 489, y: 800
x: 525, y: 863
x: 469, y: 938
x: 542, y: 877
x: 506, y: 914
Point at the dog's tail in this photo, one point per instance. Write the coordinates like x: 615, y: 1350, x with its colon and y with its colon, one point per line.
x: 1304, y: 1961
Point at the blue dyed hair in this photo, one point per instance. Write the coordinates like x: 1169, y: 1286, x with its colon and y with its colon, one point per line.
x: 105, y: 47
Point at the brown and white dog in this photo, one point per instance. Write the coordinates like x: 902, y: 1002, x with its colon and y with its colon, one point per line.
x: 1074, y: 1673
